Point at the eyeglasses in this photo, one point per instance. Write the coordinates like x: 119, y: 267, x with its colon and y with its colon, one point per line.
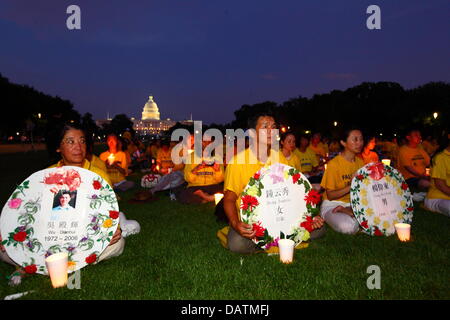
x: 71, y: 142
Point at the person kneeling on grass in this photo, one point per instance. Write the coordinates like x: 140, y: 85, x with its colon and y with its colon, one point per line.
x: 204, y: 178
x: 336, y: 181
x: 240, y: 235
x: 438, y: 197
x: 72, y: 147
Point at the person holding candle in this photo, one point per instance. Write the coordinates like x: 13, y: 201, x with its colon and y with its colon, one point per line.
x: 336, y: 209
x: 438, y: 196
x: 317, y: 146
x: 413, y: 161
x: 309, y: 164
x: 164, y: 158
x: 367, y: 154
x: 204, y: 176
x: 116, y: 163
x: 238, y: 236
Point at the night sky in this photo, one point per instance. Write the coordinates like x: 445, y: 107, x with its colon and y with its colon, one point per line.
x: 209, y: 57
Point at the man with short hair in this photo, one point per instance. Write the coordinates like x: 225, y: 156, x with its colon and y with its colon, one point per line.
x: 413, y: 161
x: 237, y: 176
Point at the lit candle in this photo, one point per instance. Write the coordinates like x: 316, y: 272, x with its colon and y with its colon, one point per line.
x: 386, y: 162
x: 218, y: 197
x: 111, y: 159
x: 325, y: 166
x: 427, y: 171
x: 403, y: 231
x: 57, y: 269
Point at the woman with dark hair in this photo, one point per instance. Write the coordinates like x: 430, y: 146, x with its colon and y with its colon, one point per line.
x: 336, y: 209
x: 438, y: 196
x: 367, y: 154
x: 287, y: 149
x: 116, y: 163
x: 72, y: 148
x: 309, y: 163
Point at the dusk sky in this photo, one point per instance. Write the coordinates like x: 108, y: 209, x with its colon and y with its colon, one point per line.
x: 209, y: 57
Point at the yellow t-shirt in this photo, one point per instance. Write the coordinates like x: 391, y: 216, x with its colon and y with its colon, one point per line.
x: 308, y: 160
x: 339, y: 174
x: 293, y: 161
x: 164, y: 158
x: 417, y: 158
x: 440, y: 170
x: 371, y: 157
x: 319, y: 150
x: 429, y: 147
x: 114, y: 174
x: 237, y: 176
x: 205, y: 176
x: 89, y: 166
x: 96, y: 162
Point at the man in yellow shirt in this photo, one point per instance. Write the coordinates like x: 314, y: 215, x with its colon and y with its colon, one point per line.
x: 237, y: 176
x: 438, y: 197
x: 413, y: 161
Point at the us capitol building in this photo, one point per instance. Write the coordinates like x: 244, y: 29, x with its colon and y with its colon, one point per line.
x: 150, y: 123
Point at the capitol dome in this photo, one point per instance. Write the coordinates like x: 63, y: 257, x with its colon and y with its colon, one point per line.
x: 151, y: 111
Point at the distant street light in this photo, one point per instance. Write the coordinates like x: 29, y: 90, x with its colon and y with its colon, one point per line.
x: 39, y: 115
x: 435, y: 115
x: 335, y: 123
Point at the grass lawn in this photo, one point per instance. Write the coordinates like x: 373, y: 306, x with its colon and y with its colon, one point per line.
x: 177, y: 256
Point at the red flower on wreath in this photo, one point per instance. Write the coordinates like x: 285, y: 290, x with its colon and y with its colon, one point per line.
x: 313, y: 197
x: 364, y: 224
x: 295, y: 177
x: 258, y: 229
x: 256, y: 176
x: 404, y: 186
x: 20, y: 236
x: 360, y: 177
x: 114, y: 214
x: 378, y: 232
x: 307, y: 224
x: 30, y: 269
x: 377, y: 171
x: 96, y: 184
x: 410, y: 209
x: 91, y: 259
x: 249, y: 202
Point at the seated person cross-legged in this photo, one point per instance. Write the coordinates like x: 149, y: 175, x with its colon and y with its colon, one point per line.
x: 438, y: 197
x: 72, y: 147
x: 336, y: 208
x: 237, y: 176
x: 412, y: 162
x: 116, y: 164
x: 204, y: 177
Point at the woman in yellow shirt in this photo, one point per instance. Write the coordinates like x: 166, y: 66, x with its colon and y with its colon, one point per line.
x: 367, y: 154
x: 309, y: 163
x: 287, y: 148
x: 336, y: 209
x: 204, y: 178
x: 116, y: 163
x: 438, y: 197
x: 72, y: 148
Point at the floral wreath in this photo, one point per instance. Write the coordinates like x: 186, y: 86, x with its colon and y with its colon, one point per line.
x: 100, y: 228
x: 249, y: 204
x: 359, y: 202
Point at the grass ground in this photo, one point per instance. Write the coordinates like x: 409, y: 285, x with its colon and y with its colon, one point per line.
x: 177, y: 256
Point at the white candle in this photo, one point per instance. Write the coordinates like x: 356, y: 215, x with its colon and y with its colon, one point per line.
x: 403, y: 231
x: 218, y: 197
x: 57, y: 269
x: 386, y: 162
x: 111, y: 159
x: 286, y: 247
